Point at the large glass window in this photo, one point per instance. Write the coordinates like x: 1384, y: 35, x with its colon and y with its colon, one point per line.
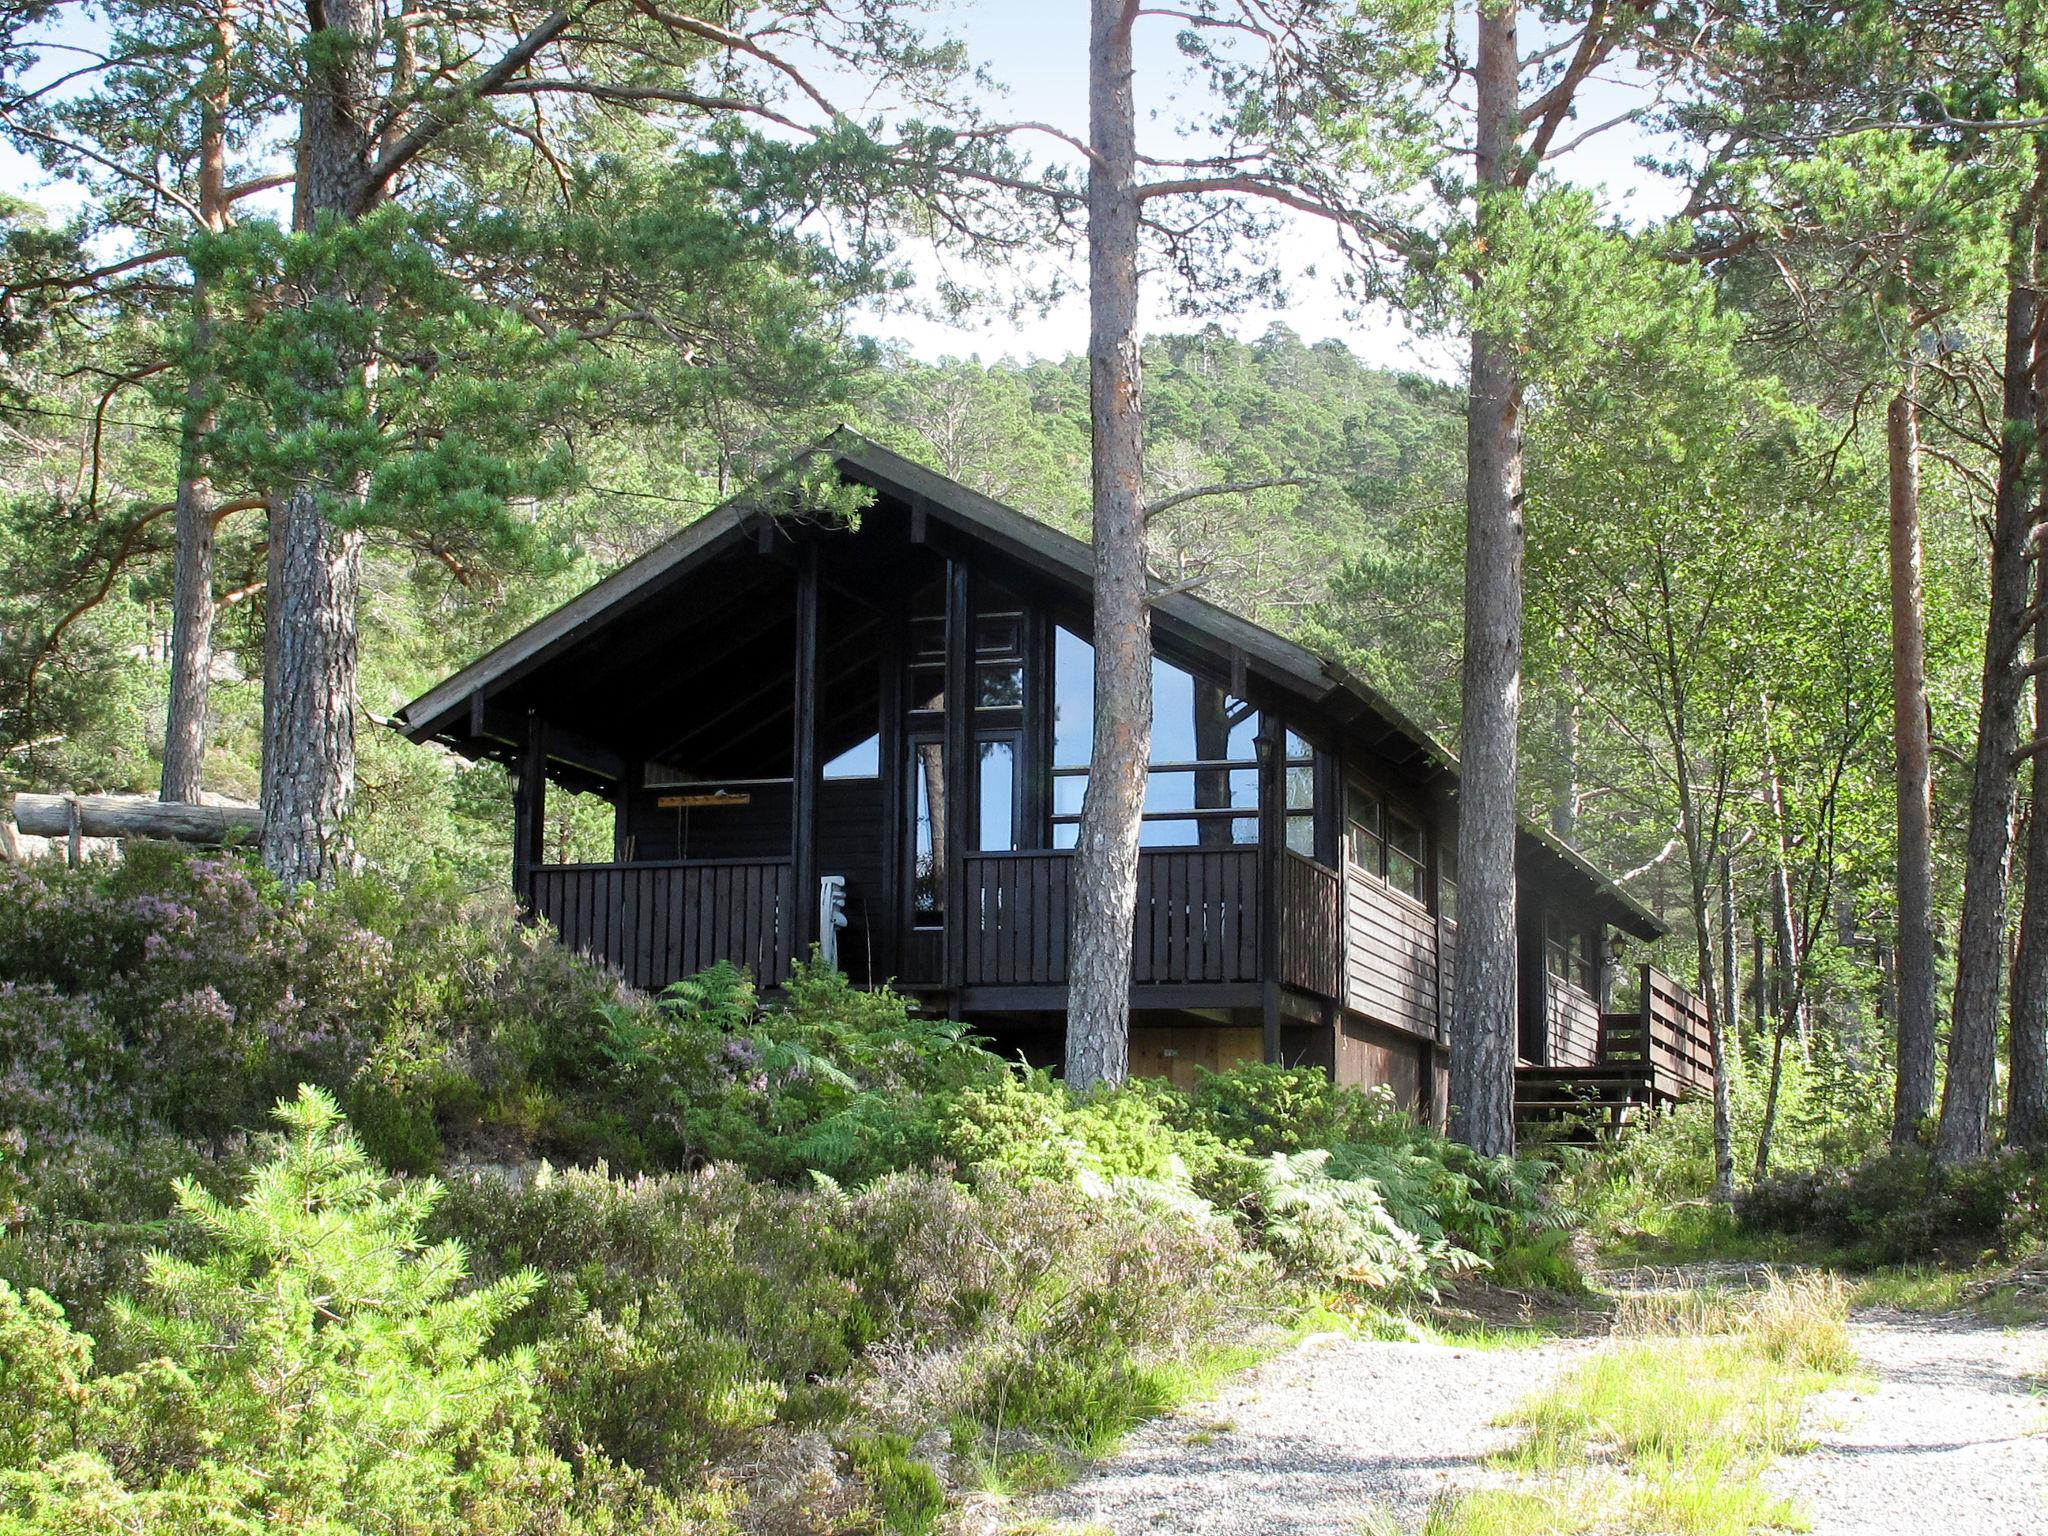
x: 863, y: 760
x: 1203, y: 786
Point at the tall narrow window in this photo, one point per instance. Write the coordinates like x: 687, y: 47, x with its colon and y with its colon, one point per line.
x: 1556, y: 947
x: 1364, y: 839
x: 1404, y: 856
x: 928, y: 840
x: 996, y: 794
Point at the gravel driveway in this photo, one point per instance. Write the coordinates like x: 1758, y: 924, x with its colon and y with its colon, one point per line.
x: 1953, y: 1440
x: 1950, y: 1441
x: 1315, y: 1440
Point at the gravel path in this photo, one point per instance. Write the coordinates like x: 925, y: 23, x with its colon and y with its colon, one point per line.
x: 1952, y: 1440
x: 1316, y: 1440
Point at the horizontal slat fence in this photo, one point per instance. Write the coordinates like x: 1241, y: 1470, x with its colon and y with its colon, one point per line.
x: 659, y: 922
x: 1390, y: 956
x: 1668, y: 1034
x: 1574, y: 1025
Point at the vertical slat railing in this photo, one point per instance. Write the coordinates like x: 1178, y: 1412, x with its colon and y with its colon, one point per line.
x: 1196, y: 919
x: 658, y: 922
x: 1311, y: 926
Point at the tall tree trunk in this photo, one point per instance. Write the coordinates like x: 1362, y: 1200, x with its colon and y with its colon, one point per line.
x: 1727, y: 1031
x: 1106, y: 859
x: 1483, y: 1024
x: 1913, y: 1099
x: 191, y: 660
x: 309, y: 739
x: 1980, y: 948
x: 2026, y: 1084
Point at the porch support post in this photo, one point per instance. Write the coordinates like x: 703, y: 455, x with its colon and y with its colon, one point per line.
x: 1272, y: 749
x: 957, y: 759
x: 529, y: 808
x: 803, y: 798
x: 886, y: 933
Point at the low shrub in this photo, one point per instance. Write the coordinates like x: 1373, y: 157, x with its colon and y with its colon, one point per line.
x: 907, y: 1493
x: 318, y: 1366
x: 1903, y: 1205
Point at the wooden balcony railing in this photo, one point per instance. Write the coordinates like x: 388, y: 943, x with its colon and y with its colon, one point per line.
x: 1668, y: 1033
x: 658, y: 922
x: 1311, y: 926
x: 1573, y: 1028
x: 1197, y: 917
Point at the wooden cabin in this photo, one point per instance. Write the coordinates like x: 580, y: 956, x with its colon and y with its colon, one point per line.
x: 788, y: 713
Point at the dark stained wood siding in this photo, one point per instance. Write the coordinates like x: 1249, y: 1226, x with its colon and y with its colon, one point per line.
x: 659, y: 922
x: 760, y: 829
x: 1390, y: 956
x: 1446, y: 976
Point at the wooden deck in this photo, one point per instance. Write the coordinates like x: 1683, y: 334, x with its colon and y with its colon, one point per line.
x: 1650, y: 1057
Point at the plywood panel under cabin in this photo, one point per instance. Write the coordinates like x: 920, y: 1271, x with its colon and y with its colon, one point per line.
x: 1368, y: 1057
x: 1175, y: 1053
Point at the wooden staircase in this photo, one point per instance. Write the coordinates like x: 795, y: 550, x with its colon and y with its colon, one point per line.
x: 1648, y: 1058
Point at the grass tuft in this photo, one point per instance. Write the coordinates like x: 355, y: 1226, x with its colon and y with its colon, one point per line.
x: 1670, y: 1429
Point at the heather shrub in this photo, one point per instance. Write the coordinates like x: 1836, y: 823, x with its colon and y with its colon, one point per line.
x: 685, y: 1318
x: 1903, y: 1205
x: 208, y: 995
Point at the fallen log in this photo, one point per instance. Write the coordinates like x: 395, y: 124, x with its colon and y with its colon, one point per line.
x: 135, y: 816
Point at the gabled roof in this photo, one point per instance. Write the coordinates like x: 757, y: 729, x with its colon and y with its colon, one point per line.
x: 1057, y: 556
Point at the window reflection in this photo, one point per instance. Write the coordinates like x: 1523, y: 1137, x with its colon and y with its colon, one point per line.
x: 997, y: 795
x: 860, y: 761
x: 1203, y: 786
x: 928, y: 844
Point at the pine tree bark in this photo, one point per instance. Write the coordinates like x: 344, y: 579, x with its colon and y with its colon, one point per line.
x: 1913, y: 1097
x: 1483, y: 1022
x: 1105, y: 873
x: 2026, y: 1084
x: 1965, y: 1126
x: 191, y: 660
x: 315, y: 564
